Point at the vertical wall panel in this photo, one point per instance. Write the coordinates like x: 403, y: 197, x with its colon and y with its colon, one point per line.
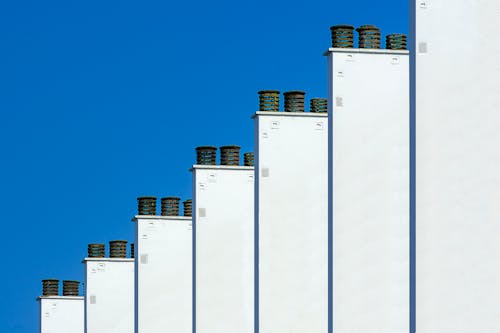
x: 164, y: 280
x: 224, y: 239
x: 109, y: 295
x: 292, y: 221
x: 457, y: 98
x: 369, y: 189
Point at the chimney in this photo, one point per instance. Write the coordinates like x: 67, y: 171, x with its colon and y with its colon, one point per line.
x: 248, y: 159
x: 71, y: 288
x: 170, y: 206
x: 96, y: 251
x: 206, y: 155
x: 146, y: 205
x: 294, y: 101
x: 342, y: 36
x: 319, y: 105
x: 396, y: 42
x: 230, y: 155
x: 50, y: 287
x: 188, y: 207
x: 369, y: 37
x: 269, y: 100
x: 118, y: 249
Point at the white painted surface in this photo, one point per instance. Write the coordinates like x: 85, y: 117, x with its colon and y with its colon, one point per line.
x: 109, y: 300
x: 369, y: 189
x: 292, y: 215
x: 164, y: 278
x: 458, y: 166
x: 224, y: 222
x: 61, y: 314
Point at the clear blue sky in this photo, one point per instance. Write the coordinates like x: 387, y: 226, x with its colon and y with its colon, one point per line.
x: 104, y: 101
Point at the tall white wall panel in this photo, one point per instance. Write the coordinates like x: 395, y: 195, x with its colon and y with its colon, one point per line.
x: 61, y: 314
x: 369, y: 189
x: 109, y: 295
x: 224, y: 231
x: 292, y: 221
x: 164, y: 274
x: 457, y: 101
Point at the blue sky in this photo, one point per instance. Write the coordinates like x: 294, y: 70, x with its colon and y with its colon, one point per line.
x: 104, y: 101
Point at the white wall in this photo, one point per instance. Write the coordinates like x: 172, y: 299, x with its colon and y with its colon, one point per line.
x: 458, y: 165
x: 164, y: 278
x: 369, y: 189
x: 109, y: 300
x: 224, y: 223
x: 291, y: 213
x: 61, y: 314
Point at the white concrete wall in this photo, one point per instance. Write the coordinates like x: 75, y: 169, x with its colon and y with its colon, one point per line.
x: 224, y: 229
x: 61, y: 314
x: 292, y: 220
x: 369, y: 189
x: 457, y: 165
x: 109, y: 300
x: 164, y: 274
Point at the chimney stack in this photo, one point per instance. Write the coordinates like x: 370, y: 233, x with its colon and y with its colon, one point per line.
x: 319, y: 105
x: 342, y: 36
x: 369, y: 37
x: 269, y: 100
x: 396, y: 42
x: 230, y: 155
x: 50, y: 287
x: 146, y: 205
x: 170, y: 206
x: 248, y: 159
x: 71, y: 288
x: 294, y: 101
x: 206, y: 155
x: 96, y: 250
x: 188, y: 207
x: 118, y: 249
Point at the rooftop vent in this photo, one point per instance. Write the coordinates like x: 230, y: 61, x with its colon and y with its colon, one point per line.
x: 206, y: 155
x: 188, y: 207
x: 146, y: 205
x: 71, y: 288
x: 396, y: 42
x: 50, y: 287
x: 319, y: 105
x: 369, y: 37
x: 170, y: 206
x: 230, y: 155
x: 248, y: 159
x: 269, y: 100
x: 342, y: 36
x: 118, y: 249
x: 294, y: 101
x: 96, y: 251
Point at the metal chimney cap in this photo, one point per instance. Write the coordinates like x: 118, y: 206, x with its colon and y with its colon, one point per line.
x: 76, y: 281
x: 341, y: 26
x: 367, y: 27
x: 50, y: 280
x: 119, y: 241
x: 146, y: 197
x: 206, y: 147
x: 225, y: 147
x: 294, y: 92
x: 176, y: 198
x: 269, y: 92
